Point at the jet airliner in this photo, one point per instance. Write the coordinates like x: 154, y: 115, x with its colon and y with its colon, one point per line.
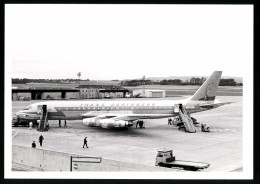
x: 110, y: 114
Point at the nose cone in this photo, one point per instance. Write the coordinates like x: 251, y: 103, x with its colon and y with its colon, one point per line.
x: 20, y: 114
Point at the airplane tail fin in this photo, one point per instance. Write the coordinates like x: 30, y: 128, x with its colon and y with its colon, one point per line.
x: 208, y: 90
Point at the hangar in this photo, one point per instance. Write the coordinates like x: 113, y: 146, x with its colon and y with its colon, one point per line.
x: 44, y: 94
x: 150, y: 93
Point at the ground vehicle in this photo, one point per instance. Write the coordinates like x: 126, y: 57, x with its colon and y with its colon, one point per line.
x: 205, y: 128
x: 165, y: 158
x: 16, y: 122
x: 22, y: 122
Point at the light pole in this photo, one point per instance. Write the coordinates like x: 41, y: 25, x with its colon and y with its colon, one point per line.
x: 79, y: 74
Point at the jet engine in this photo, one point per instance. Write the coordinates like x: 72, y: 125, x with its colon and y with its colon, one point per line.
x: 106, y: 123
x: 92, y: 122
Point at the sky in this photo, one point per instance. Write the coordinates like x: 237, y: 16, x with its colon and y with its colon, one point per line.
x: 108, y: 42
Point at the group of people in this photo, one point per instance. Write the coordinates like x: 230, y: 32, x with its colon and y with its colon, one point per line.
x: 41, y: 138
x: 65, y: 123
x: 140, y: 123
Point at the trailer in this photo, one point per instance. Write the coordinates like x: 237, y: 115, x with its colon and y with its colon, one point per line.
x: 165, y: 158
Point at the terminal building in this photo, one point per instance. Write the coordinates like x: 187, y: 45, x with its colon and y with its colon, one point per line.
x: 149, y: 93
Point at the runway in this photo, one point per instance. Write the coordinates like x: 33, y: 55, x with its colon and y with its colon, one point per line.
x: 222, y: 147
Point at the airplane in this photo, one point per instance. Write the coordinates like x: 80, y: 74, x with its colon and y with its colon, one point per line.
x: 122, y: 113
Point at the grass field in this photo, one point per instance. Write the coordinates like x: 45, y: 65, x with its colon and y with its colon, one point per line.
x: 174, y: 90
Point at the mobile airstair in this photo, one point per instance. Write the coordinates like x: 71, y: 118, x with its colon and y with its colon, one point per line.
x: 187, y: 121
x: 43, y: 122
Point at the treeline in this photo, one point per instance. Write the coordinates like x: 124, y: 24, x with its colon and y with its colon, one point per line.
x: 24, y: 81
x: 191, y: 81
x: 136, y: 82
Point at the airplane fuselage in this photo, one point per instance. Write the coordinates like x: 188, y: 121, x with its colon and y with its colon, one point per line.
x: 78, y: 110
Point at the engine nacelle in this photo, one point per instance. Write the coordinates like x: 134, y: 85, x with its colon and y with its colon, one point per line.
x: 111, y: 123
x: 106, y: 123
x: 92, y: 122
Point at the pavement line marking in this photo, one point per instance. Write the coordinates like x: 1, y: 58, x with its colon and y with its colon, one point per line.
x: 15, y: 133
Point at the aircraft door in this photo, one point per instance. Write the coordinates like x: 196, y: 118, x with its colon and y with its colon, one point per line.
x: 41, y: 108
x: 176, y: 108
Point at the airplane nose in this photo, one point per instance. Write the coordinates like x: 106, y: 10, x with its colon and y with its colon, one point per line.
x: 19, y: 114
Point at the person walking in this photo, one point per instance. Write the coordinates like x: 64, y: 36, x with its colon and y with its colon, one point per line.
x: 40, y: 140
x: 65, y: 123
x: 85, y: 142
x: 59, y: 123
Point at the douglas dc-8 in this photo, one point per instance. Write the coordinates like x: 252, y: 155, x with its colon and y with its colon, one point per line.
x: 111, y: 113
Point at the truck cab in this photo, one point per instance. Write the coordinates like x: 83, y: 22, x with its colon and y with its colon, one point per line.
x: 164, y: 156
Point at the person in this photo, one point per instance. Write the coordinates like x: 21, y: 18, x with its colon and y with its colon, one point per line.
x: 169, y: 121
x: 137, y: 123
x: 47, y: 126
x: 65, y: 123
x: 33, y: 144
x: 30, y: 125
x: 202, y: 127
x: 59, y: 123
x: 40, y: 140
x: 180, y: 107
x: 85, y: 142
x: 141, y: 123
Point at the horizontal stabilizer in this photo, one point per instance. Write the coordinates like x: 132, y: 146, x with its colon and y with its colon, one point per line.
x: 214, y: 105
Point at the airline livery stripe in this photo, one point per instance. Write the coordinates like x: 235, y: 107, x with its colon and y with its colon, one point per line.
x: 114, y: 108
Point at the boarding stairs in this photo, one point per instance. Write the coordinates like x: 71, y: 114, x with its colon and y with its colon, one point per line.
x: 43, y: 124
x: 187, y: 121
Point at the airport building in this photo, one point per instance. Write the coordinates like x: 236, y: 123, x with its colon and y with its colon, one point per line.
x: 86, y: 91
x: 102, y: 91
x: 150, y: 93
x: 44, y: 94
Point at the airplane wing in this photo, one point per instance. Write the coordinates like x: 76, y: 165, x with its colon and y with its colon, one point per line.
x: 129, y: 116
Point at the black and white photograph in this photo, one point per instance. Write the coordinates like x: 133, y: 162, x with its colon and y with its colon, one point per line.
x: 128, y: 91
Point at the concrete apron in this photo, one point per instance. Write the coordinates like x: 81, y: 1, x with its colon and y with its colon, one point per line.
x: 47, y: 160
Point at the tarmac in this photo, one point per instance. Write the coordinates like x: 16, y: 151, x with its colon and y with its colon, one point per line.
x: 222, y: 148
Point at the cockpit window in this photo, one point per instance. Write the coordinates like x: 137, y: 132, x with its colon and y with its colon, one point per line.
x: 27, y: 108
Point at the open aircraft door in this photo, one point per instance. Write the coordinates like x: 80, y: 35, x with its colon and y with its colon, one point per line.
x: 176, y: 108
x: 41, y: 109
